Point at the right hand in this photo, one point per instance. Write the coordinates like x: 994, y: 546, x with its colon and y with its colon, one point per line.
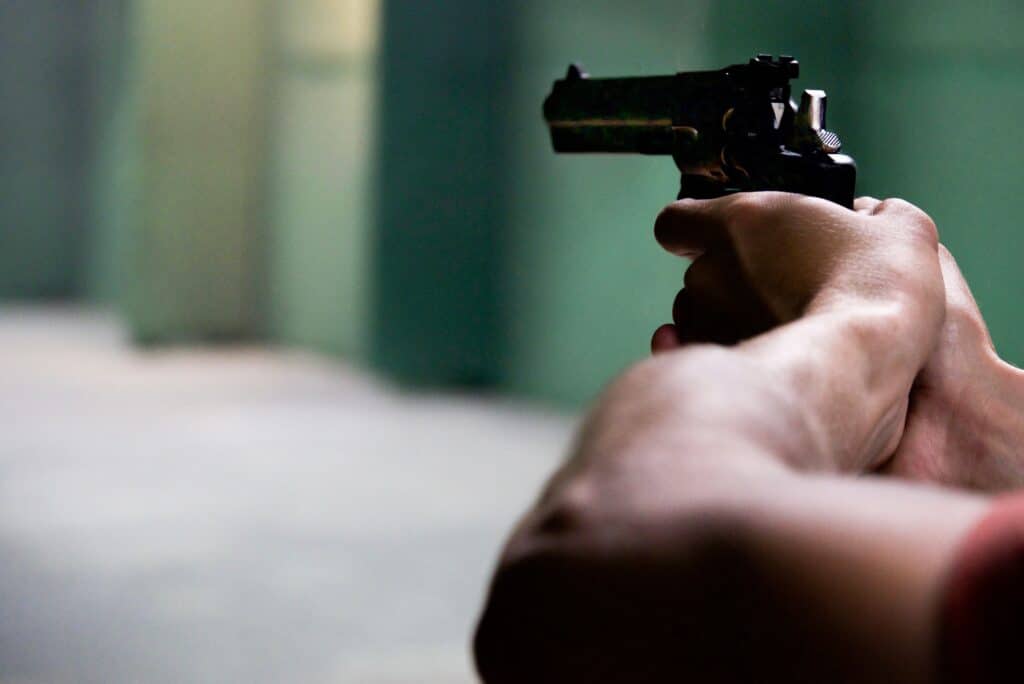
x: 767, y: 258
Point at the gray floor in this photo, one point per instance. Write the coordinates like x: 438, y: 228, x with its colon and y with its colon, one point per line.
x: 242, y: 515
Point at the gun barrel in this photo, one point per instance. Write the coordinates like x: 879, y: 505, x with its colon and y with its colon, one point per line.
x: 613, y: 114
x: 730, y: 130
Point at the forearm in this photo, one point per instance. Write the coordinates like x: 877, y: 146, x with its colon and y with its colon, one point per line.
x: 803, y: 578
x: 687, y: 509
x: 700, y: 554
x: 826, y: 392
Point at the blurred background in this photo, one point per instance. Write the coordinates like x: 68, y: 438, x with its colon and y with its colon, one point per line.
x: 299, y: 308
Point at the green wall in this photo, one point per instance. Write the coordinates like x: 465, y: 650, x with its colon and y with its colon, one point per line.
x: 943, y: 87
x: 113, y: 186
x: 441, y: 182
x: 583, y: 282
x: 45, y: 122
x: 195, y: 254
x: 320, y: 195
x: 373, y: 178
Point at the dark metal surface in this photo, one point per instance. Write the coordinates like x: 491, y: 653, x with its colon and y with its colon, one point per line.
x: 731, y: 130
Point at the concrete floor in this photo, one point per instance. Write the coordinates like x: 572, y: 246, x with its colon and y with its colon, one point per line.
x: 242, y: 515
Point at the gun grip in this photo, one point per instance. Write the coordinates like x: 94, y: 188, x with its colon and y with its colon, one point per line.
x: 832, y: 177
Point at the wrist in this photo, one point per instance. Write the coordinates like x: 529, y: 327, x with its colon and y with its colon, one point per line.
x: 850, y: 365
x: 967, y: 420
x: 987, y: 420
x: 884, y: 344
x: 704, y: 393
x: 904, y: 322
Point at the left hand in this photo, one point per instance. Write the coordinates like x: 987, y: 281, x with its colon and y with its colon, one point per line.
x: 965, y: 424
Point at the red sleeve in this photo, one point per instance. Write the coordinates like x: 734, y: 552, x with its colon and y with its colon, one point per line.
x: 982, y: 607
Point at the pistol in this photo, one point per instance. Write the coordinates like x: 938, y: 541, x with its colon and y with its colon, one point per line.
x: 731, y: 130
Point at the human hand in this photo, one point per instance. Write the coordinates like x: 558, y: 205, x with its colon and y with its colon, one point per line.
x: 862, y: 290
x: 965, y: 426
x: 764, y: 259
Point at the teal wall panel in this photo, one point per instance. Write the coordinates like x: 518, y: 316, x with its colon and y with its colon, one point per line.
x: 45, y: 118
x: 114, y: 153
x: 320, y: 198
x: 441, y: 189
x: 942, y: 87
x: 583, y: 282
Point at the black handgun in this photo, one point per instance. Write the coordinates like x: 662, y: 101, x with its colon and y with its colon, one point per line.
x: 732, y: 130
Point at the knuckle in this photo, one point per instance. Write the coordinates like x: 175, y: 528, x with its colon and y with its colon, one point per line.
x: 751, y: 200
x: 573, y: 510
x: 911, y: 217
x: 927, y: 228
x: 866, y: 204
x: 746, y: 207
x: 895, y: 205
x: 923, y: 227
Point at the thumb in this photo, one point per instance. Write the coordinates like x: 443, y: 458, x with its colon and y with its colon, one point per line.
x: 689, y: 227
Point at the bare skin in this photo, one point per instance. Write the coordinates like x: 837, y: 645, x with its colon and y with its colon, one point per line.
x: 707, y: 524
x: 966, y: 419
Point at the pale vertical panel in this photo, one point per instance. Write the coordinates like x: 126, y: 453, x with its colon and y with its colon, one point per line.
x: 196, y: 248
x: 321, y: 180
x: 114, y: 164
x: 346, y: 28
